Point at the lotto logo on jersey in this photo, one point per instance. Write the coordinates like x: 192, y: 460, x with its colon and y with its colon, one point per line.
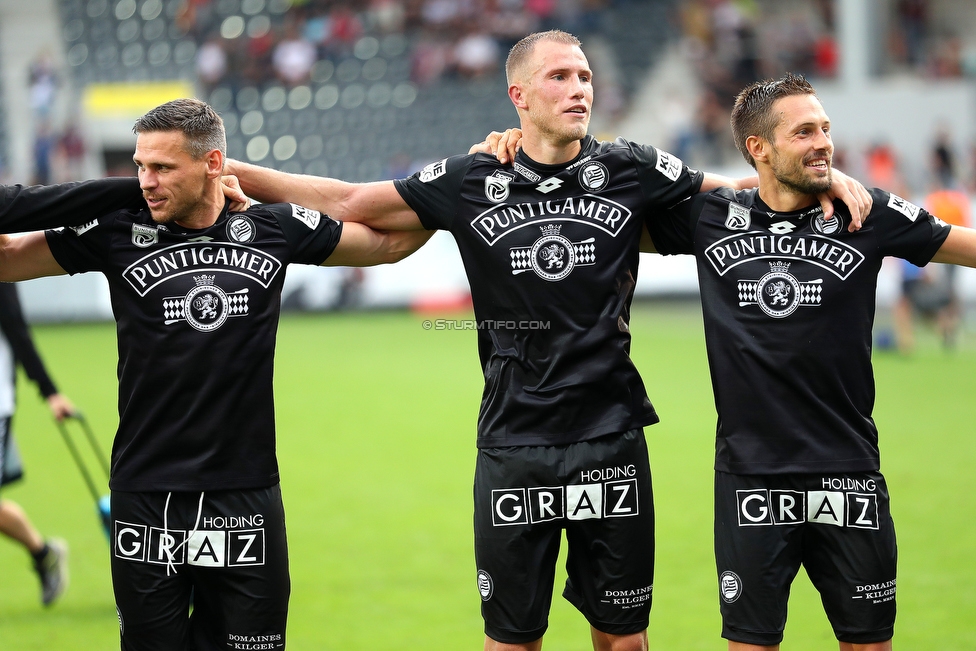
x: 839, y: 508
x: 519, y: 506
x: 205, y: 548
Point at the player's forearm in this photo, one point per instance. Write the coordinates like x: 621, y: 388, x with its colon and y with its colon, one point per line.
x: 378, y: 204
x: 271, y: 186
x: 959, y: 247
x: 24, y: 257
x: 714, y: 181
x: 361, y: 246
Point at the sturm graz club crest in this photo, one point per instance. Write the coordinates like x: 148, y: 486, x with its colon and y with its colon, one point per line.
x: 730, y: 586
x: 779, y: 293
x: 240, y: 229
x: 552, y: 257
x: 205, y: 307
x: 824, y: 226
x: 485, y: 585
x: 594, y: 176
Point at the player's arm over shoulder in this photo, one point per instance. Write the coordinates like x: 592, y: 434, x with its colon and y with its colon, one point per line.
x: 377, y: 204
x: 23, y: 257
x: 316, y: 238
x: 361, y: 246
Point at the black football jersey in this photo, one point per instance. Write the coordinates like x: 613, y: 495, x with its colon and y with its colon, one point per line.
x: 551, y: 255
x: 788, y: 302
x: 34, y: 208
x: 197, y: 314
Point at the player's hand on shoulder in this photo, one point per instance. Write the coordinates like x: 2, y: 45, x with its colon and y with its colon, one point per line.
x: 854, y: 195
x: 232, y: 190
x: 503, y: 145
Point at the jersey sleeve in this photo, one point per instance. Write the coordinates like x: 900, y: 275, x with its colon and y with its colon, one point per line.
x: 663, y: 178
x: 39, y: 207
x: 79, y: 249
x: 435, y: 191
x: 673, y: 230
x: 311, y: 236
x: 906, y: 230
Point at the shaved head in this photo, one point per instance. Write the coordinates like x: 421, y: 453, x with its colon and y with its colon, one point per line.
x: 518, y: 57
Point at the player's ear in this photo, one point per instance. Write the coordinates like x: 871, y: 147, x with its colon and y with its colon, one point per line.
x: 758, y: 148
x: 215, y: 163
x: 517, y: 95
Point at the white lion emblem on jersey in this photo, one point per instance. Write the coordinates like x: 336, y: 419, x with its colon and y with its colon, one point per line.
x: 206, y: 306
x: 553, y: 255
x: 778, y: 292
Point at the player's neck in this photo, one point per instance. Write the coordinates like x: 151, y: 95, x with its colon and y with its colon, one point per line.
x: 548, y: 152
x: 206, y: 212
x: 781, y: 198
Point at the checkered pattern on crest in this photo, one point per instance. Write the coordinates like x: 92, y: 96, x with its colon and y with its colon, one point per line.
x: 747, y: 291
x: 173, y: 308
x: 521, y: 257
x: 810, y: 293
x: 237, y: 304
x: 585, y: 252
x: 585, y: 255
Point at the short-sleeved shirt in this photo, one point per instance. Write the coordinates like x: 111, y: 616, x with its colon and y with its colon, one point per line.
x: 197, y: 314
x: 551, y: 255
x: 788, y: 302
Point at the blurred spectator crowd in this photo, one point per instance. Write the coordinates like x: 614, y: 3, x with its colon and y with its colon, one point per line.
x: 295, y: 41
x: 732, y: 43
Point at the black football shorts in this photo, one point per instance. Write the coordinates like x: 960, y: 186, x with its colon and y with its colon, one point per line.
x: 837, y: 526
x: 599, y: 491
x: 225, y: 558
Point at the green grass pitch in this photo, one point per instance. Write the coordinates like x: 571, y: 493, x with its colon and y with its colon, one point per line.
x: 376, y: 431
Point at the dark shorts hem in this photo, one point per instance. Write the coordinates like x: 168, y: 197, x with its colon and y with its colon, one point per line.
x: 610, y: 628
x: 752, y: 637
x: 514, y: 637
x: 872, y: 637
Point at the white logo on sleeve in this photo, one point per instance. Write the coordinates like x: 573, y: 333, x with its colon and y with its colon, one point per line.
x: 668, y: 164
x: 84, y: 228
x: 906, y: 208
x: 306, y: 216
x: 433, y: 171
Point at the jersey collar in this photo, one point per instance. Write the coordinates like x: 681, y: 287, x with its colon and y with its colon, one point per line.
x: 542, y: 170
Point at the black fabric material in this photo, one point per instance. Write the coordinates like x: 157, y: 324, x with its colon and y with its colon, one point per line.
x: 599, y: 492
x: 197, y: 315
x: 551, y: 255
x: 788, y: 302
